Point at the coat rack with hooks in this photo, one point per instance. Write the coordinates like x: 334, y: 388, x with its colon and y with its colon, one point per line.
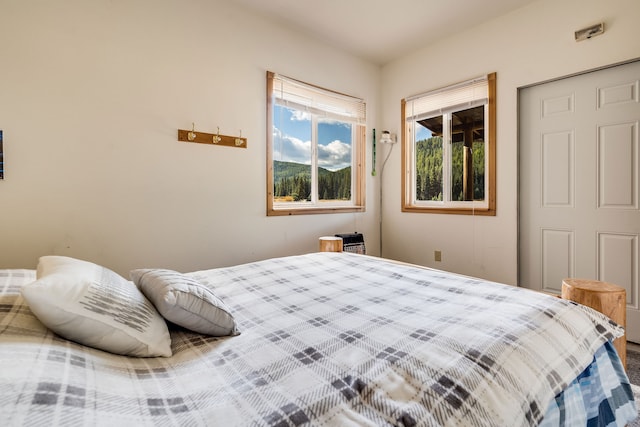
x: 211, y: 138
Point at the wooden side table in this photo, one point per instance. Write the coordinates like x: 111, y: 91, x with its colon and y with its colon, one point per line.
x: 607, y: 298
x: 330, y: 244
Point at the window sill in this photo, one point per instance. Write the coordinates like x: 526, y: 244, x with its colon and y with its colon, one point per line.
x: 451, y: 211
x: 314, y: 210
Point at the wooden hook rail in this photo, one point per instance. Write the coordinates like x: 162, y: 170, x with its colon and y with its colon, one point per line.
x: 211, y: 138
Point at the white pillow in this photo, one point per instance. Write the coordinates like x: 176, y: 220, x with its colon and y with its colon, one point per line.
x: 94, y: 306
x: 185, y: 302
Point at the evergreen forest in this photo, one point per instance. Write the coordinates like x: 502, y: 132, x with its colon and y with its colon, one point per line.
x: 429, y: 170
x: 292, y: 182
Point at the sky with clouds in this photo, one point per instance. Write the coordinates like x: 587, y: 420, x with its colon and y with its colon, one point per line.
x: 292, y: 139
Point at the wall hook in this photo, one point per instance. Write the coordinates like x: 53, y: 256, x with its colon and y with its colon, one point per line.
x: 191, y: 136
x: 239, y: 140
x: 211, y: 138
x: 216, y: 137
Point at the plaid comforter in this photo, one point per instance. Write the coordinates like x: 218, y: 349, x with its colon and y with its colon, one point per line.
x: 326, y: 339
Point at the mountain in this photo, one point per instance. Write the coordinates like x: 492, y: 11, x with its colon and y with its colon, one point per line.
x: 293, y: 180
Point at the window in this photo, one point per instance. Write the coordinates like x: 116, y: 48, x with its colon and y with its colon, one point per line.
x: 448, y: 149
x: 315, y: 149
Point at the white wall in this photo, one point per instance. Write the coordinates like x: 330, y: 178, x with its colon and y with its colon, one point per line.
x: 531, y: 45
x: 91, y: 97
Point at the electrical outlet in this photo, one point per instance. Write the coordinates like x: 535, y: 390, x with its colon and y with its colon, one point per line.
x: 437, y: 255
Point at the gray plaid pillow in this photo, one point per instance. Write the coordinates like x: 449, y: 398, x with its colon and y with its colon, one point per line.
x: 186, y: 302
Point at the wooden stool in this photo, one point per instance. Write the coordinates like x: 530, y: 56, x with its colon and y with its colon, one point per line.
x: 330, y: 244
x: 607, y: 298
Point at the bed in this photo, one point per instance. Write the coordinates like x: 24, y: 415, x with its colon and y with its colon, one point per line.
x: 326, y: 339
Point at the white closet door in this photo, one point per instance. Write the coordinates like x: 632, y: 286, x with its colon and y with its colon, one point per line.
x: 579, y: 186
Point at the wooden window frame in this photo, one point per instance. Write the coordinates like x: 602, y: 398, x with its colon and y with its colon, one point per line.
x: 408, y: 174
x: 357, y: 174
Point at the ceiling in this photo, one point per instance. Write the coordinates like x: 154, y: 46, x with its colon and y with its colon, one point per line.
x: 381, y: 30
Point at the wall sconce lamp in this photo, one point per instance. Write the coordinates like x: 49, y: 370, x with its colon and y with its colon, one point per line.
x: 388, y: 138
